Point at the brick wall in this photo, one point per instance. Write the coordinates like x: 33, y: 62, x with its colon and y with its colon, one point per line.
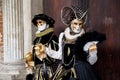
x: 1, y: 33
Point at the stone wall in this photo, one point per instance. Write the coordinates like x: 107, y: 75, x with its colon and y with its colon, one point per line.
x: 1, y: 33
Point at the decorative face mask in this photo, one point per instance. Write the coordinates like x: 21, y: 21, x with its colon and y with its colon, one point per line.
x: 41, y: 24
x: 76, y: 25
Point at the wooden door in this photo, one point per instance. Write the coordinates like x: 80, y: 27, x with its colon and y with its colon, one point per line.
x: 103, y: 17
x: 53, y: 9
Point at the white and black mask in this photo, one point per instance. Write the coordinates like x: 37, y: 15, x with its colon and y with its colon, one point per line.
x: 76, y: 26
x: 41, y: 25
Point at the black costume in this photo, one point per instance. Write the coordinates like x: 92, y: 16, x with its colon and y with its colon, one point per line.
x: 75, y: 65
x: 78, y: 58
x: 83, y: 69
x: 43, y: 68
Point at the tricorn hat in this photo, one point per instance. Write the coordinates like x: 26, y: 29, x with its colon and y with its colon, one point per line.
x: 44, y: 17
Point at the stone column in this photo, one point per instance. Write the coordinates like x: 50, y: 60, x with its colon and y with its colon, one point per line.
x: 13, y: 31
x: 27, y: 26
x: 17, y: 38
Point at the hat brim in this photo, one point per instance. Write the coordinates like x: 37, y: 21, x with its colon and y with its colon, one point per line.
x: 44, y: 17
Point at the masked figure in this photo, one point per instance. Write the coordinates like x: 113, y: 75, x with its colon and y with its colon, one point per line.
x: 79, y: 48
x: 40, y: 66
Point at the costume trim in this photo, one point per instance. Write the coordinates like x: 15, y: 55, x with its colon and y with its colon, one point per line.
x: 44, y: 32
x: 70, y: 37
x: 92, y: 57
x: 87, y: 45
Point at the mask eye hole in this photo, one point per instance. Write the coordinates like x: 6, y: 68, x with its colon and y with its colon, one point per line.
x: 75, y: 23
x: 39, y: 21
x: 80, y: 24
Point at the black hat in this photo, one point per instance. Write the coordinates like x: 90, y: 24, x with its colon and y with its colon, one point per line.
x: 44, y: 17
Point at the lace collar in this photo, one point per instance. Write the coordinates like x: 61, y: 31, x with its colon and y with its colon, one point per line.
x: 70, y: 37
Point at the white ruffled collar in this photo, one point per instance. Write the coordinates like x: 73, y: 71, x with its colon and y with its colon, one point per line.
x: 70, y: 37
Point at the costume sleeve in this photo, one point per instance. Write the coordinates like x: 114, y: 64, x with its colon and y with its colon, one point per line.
x: 89, y: 37
x: 92, y: 55
x: 82, y: 44
x: 55, y: 54
x: 96, y: 38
